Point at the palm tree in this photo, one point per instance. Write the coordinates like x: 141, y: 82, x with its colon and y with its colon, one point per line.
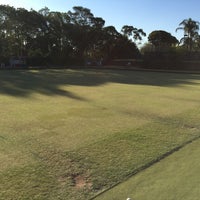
x: 190, y: 28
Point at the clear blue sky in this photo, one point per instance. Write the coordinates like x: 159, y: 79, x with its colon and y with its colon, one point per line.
x: 149, y: 15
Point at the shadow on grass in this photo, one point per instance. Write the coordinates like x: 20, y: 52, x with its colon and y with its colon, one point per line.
x: 48, y: 82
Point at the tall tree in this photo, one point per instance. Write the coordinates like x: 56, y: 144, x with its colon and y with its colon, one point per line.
x: 132, y: 32
x: 162, y: 39
x: 190, y: 28
x: 86, y: 31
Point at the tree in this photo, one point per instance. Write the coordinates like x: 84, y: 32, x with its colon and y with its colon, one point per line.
x: 124, y: 48
x: 190, y: 28
x: 61, y: 37
x: 162, y: 39
x: 109, y: 37
x: 132, y: 32
x: 85, y: 31
x: 8, y: 30
x: 147, y: 48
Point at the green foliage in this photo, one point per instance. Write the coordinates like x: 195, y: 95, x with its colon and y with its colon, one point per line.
x: 190, y: 28
x: 162, y: 39
x: 167, y: 54
x: 163, y: 52
x: 147, y: 47
x: 61, y: 37
x: 130, y: 31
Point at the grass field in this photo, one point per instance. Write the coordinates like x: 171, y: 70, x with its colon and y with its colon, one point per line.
x: 175, y: 177
x: 70, y: 134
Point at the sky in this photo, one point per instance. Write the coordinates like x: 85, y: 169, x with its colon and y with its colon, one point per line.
x: 149, y: 15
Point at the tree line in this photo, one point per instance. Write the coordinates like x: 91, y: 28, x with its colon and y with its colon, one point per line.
x: 71, y: 37
x: 77, y: 36
x: 161, y: 40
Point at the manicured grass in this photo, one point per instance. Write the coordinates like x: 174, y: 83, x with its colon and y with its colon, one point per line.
x: 70, y: 134
x: 175, y: 177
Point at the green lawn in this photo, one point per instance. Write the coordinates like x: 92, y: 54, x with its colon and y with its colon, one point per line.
x: 175, y: 177
x: 70, y: 134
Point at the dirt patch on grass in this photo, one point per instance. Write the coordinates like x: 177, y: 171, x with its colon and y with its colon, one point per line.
x: 80, y: 181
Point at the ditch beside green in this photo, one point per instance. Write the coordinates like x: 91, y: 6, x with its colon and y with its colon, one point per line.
x: 175, y: 177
